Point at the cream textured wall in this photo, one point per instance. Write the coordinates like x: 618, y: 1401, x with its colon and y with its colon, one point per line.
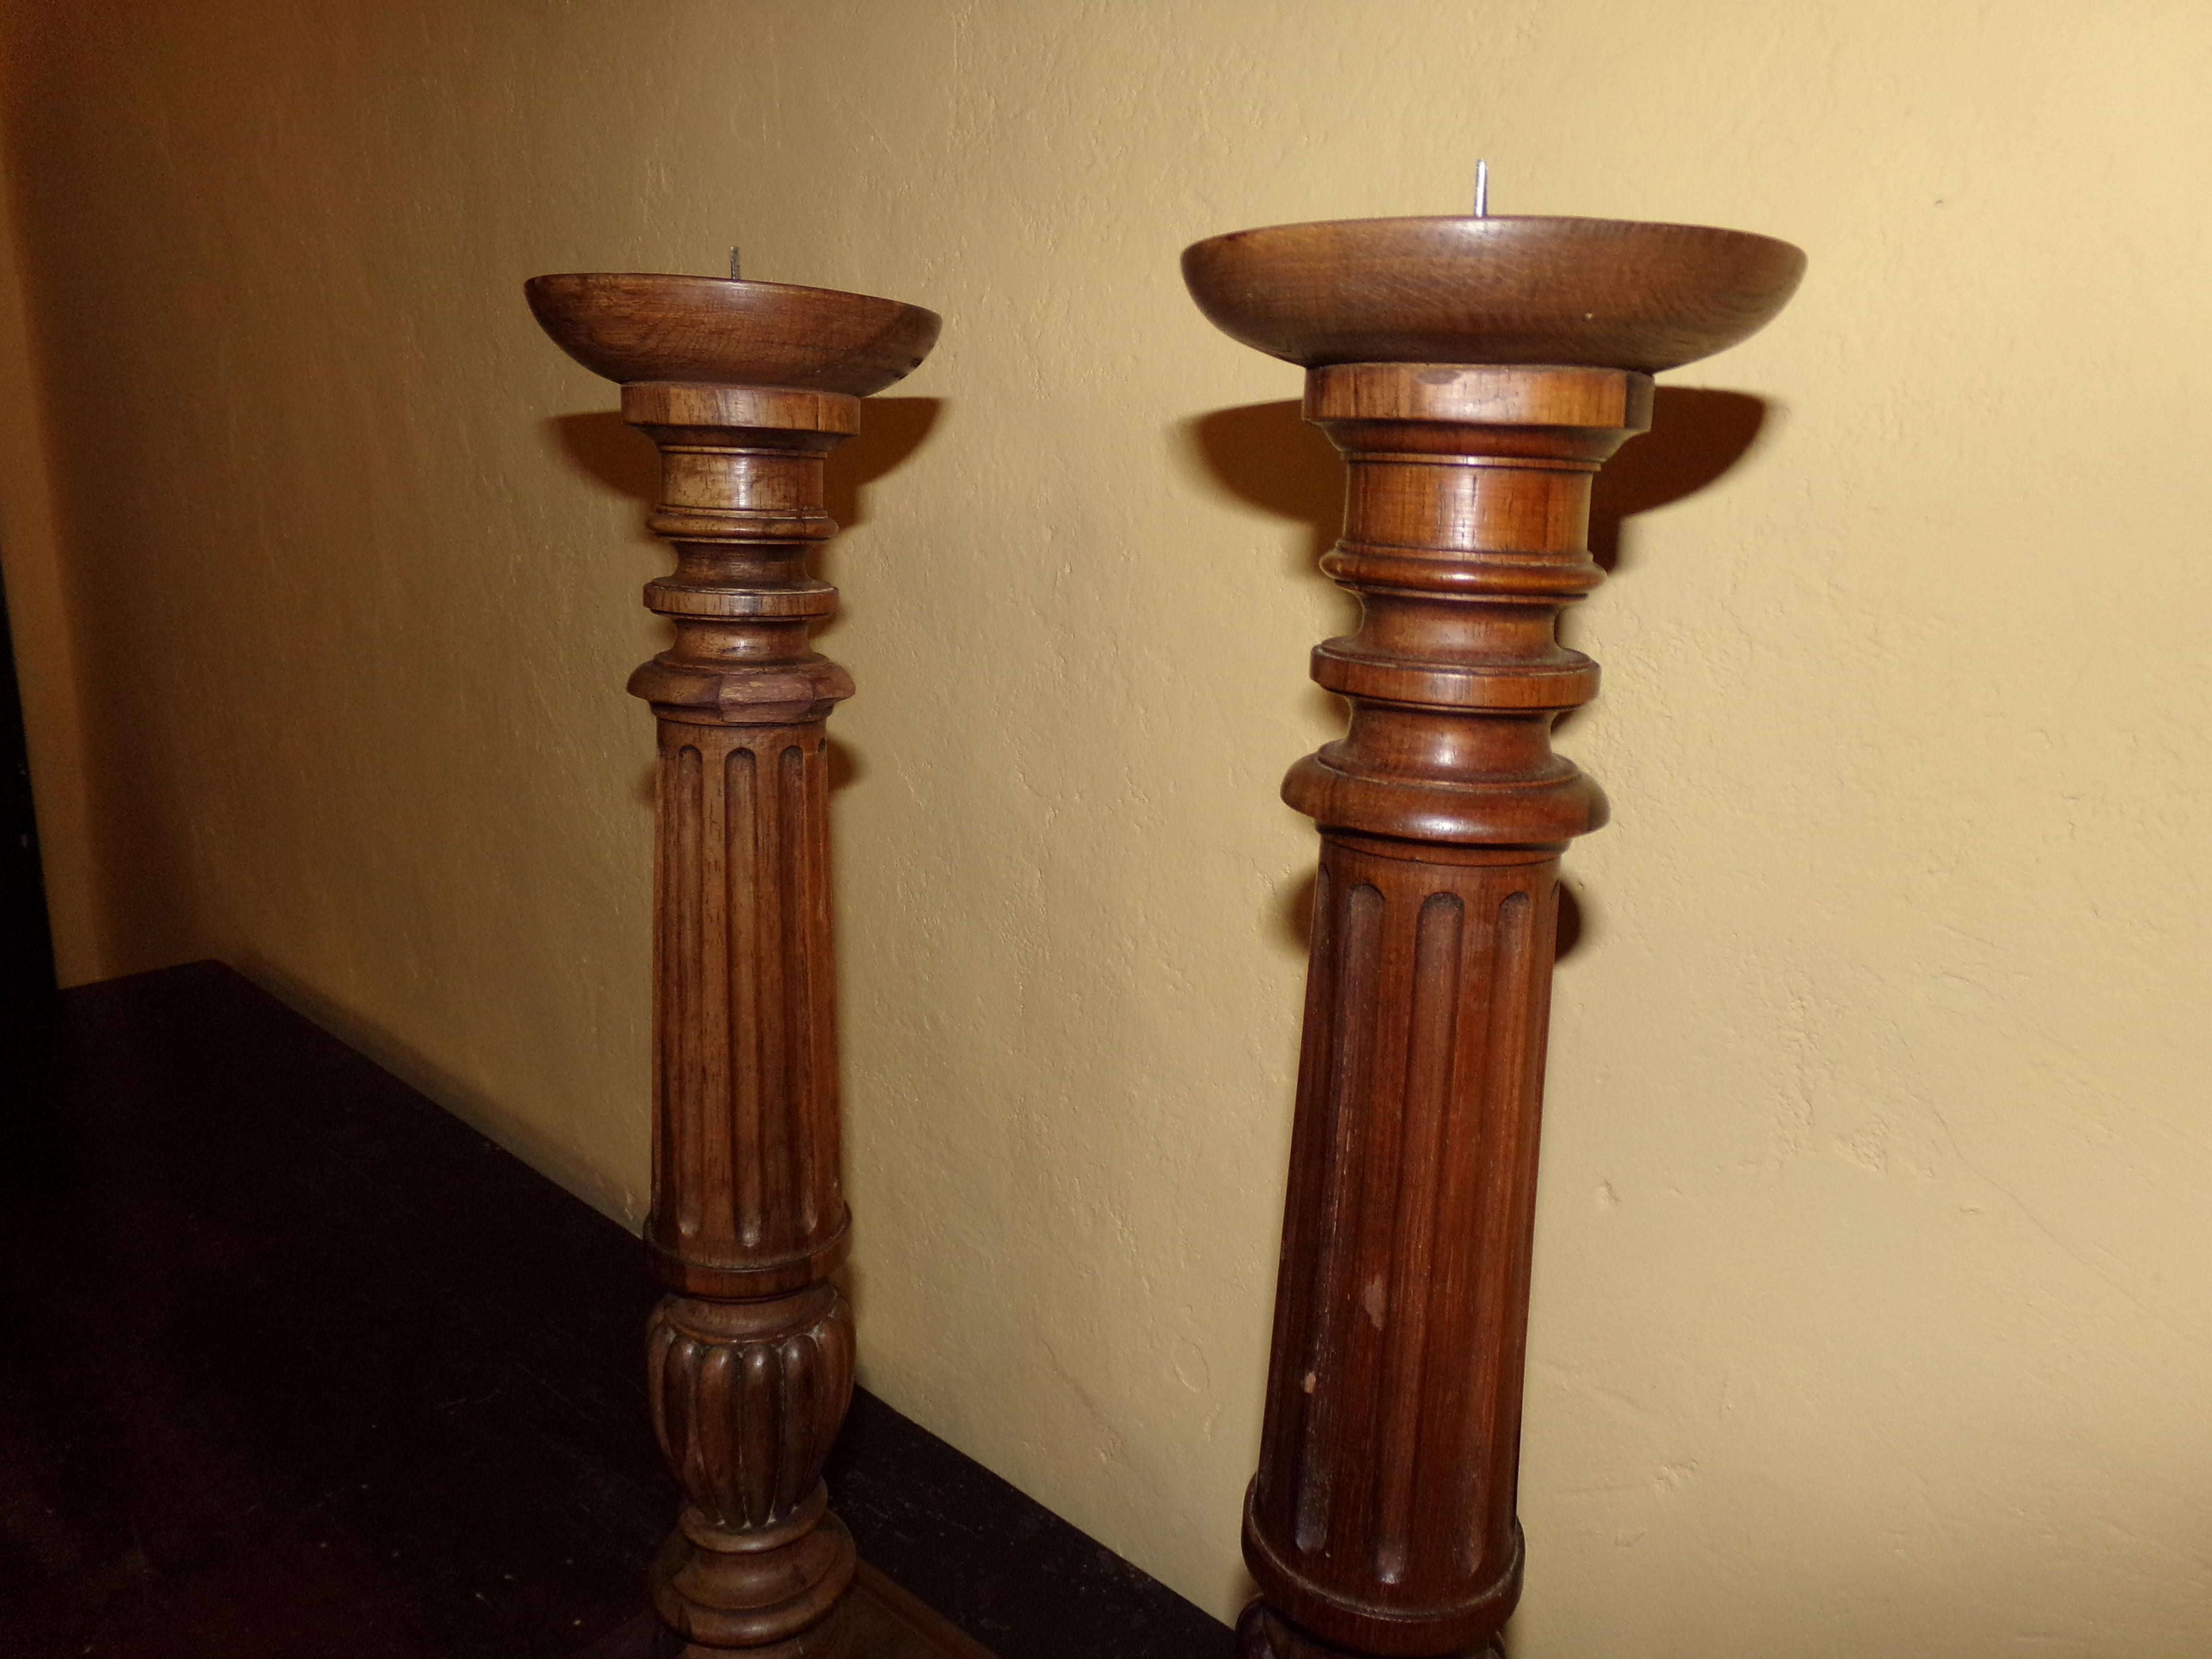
x: 1874, y: 1294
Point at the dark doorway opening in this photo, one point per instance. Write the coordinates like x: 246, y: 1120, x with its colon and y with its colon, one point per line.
x: 27, y: 948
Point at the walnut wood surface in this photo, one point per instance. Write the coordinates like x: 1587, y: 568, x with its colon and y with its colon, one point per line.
x: 752, y: 1354
x: 1610, y: 293
x: 1382, y: 1519
x: 706, y: 330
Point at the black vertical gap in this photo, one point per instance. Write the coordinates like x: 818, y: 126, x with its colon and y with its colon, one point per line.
x: 26, y: 945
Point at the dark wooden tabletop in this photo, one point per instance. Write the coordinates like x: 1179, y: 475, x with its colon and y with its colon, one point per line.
x: 295, y: 1364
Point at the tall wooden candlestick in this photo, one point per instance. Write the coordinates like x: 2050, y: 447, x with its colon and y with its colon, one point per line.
x: 1475, y: 373
x: 745, y: 387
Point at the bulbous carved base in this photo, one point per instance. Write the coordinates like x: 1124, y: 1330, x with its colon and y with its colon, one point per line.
x: 747, y: 1397
x: 1263, y: 1634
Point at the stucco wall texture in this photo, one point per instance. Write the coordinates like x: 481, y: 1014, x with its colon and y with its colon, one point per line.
x: 1874, y: 1279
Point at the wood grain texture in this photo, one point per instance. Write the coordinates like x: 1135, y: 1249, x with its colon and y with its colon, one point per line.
x: 1604, y: 292
x: 703, y: 330
x: 1381, y: 1520
x: 752, y: 1355
x: 1442, y: 360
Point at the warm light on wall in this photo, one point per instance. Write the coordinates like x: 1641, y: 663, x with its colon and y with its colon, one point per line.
x: 1872, y: 1271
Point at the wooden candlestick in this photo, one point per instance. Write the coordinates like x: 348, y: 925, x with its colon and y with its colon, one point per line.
x: 745, y: 387
x: 1475, y: 373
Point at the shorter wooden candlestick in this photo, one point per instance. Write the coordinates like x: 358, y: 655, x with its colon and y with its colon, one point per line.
x: 751, y: 1358
x: 745, y: 387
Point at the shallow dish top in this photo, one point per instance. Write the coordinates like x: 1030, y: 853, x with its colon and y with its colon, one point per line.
x: 632, y: 326
x: 1598, y: 293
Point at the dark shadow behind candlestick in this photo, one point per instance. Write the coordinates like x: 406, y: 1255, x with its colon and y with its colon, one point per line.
x: 1475, y: 373
x: 744, y: 388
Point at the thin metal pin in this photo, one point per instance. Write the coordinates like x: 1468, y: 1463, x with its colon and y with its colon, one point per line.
x: 1482, y: 189
x: 734, y: 277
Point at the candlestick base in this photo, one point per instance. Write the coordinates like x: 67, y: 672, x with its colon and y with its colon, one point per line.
x: 1263, y: 1634
x: 881, y: 1622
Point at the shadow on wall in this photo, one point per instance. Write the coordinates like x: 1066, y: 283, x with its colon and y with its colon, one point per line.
x: 1265, y: 454
x: 1696, y: 436
x: 891, y: 429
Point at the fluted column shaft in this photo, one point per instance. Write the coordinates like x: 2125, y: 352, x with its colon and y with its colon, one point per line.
x: 752, y: 1354
x: 1382, y: 1519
